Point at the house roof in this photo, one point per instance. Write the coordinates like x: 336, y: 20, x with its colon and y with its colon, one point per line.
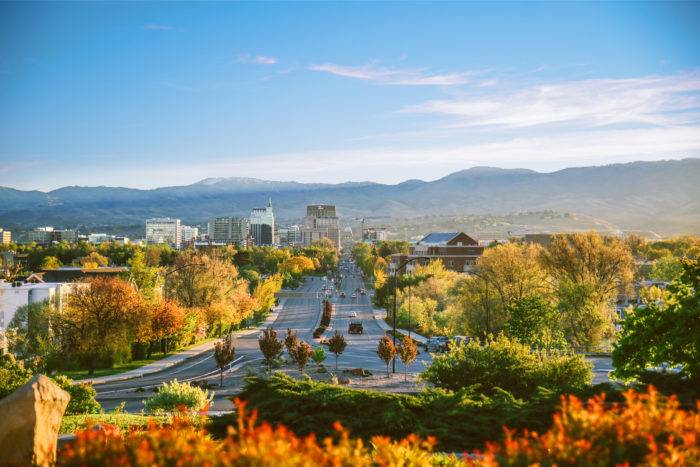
x: 438, y: 238
x: 73, y: 274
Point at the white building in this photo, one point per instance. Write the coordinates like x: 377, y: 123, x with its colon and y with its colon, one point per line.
x: 13, y: 296
x: 188, y: 234
x: 98, y: 237
x: 164, y: 230
x: 321, y: 222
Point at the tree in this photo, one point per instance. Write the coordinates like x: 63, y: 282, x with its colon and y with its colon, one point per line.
x: 290, y: 341
x: 144, y: 278
x: 300, y: 354
x: 164, y: 321
x: 270, y: 347
x: 667, y: 332
x: 534, y: 322
x: 337, y: 344
x: 318, y: 356
x: 51, y: 262
x: 223, y: 354
x: 97, y: 318
x: 588, y: 272
x: 666, y: 269
x: 386, y: 351
x: 408, y: 352
x: 94, y: 260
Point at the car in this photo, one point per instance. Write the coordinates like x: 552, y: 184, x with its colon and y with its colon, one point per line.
x: 352, y: 314
x: 437, y: 344
x: 342, y: 295
x: 353, y: 295
x: 363, y: 292
x: 355, y: 327
x: 461, y: 340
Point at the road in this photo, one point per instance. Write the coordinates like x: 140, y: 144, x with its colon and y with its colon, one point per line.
x: 301, y: 314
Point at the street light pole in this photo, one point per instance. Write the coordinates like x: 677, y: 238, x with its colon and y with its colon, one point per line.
x: 396, y: 287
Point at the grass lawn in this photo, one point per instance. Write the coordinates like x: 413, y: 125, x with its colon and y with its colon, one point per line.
x: 122, y: 367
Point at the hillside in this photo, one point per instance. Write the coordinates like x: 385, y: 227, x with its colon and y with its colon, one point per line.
x: 662, y: 196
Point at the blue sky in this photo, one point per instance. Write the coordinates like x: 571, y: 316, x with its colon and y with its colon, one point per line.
x: 153, y: 94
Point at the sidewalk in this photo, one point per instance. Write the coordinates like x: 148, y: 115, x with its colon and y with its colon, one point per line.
x: 379, y: 316
x: 180, y: 357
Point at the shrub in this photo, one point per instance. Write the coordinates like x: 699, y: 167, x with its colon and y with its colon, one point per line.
x: 173, y: 396
x: 509, y: 365
x: 647, y: 429
x: 82, y: 396
x: 13, y: 374
x: 246, y: 444
x: 459, y: 421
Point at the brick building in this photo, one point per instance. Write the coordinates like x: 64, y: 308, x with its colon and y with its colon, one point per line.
x: 457, y: 251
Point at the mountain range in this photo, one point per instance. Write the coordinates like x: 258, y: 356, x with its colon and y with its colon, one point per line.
x: 662, y: 195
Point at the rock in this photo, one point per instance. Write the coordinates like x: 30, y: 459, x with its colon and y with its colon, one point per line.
x: 360, y: 372
x: 343, y: 380
x: 30, y: 419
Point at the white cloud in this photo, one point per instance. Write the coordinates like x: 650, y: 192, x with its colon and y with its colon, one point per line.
x: 654, y: 100
x: 157, y: 27
x: 257, y: 59
x: 395, y: 76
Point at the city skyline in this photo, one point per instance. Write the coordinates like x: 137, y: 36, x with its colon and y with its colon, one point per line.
x: 144, y: 95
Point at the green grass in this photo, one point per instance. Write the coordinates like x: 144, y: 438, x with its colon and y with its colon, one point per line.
x: 123, y: 367
x: 124, y: 421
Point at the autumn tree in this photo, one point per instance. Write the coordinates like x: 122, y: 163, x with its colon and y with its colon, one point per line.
x: 96, y: 319
x: 93, y: 260
x: 270, y: 347
x: 408, y: 352
x: 224, y: 353
x: 51, y: 262
x: 300, y: 353
x: 160, y: 323
x: 386, y: 351
x: 290, y: 341
x: 337, y: 345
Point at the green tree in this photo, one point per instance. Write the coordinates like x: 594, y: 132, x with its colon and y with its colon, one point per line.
x: 143, y: 277
x: 666, y: 268
x: 51, y: 262
x: 667, y: 332
x: 318, y: 356
x: 534, y: 322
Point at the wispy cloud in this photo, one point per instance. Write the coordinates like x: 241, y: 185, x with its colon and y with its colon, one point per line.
x: 393, y: 76
x: 258, y: 59
x: 653, y: 100
x: 157, y: 27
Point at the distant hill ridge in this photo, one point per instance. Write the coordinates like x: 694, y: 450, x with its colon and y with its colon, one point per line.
x: 637, y: 195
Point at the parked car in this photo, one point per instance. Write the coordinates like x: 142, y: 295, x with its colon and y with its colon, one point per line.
x: 352, y: 314
x: 461, y: 340
x: 437, y: 344
x: 355, y: 327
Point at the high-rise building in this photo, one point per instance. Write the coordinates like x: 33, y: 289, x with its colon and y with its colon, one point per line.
x: 48, y: 235
x: 232, y: 230
x: 262, y: 225
x: 188, y: 234
x: 374, y: 235
x: 289, y: 236
x: 5, y: 237
x: 321, y: 222
x: 164, y: 230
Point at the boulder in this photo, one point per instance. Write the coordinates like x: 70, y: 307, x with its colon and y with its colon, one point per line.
x: 343, y: 380
x: 30, y: 419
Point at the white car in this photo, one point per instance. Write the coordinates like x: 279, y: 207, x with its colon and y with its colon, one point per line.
x: 352, y: 315
x: 353, y: 295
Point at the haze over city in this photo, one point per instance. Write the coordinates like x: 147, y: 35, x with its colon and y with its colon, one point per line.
x: 143, y: 95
